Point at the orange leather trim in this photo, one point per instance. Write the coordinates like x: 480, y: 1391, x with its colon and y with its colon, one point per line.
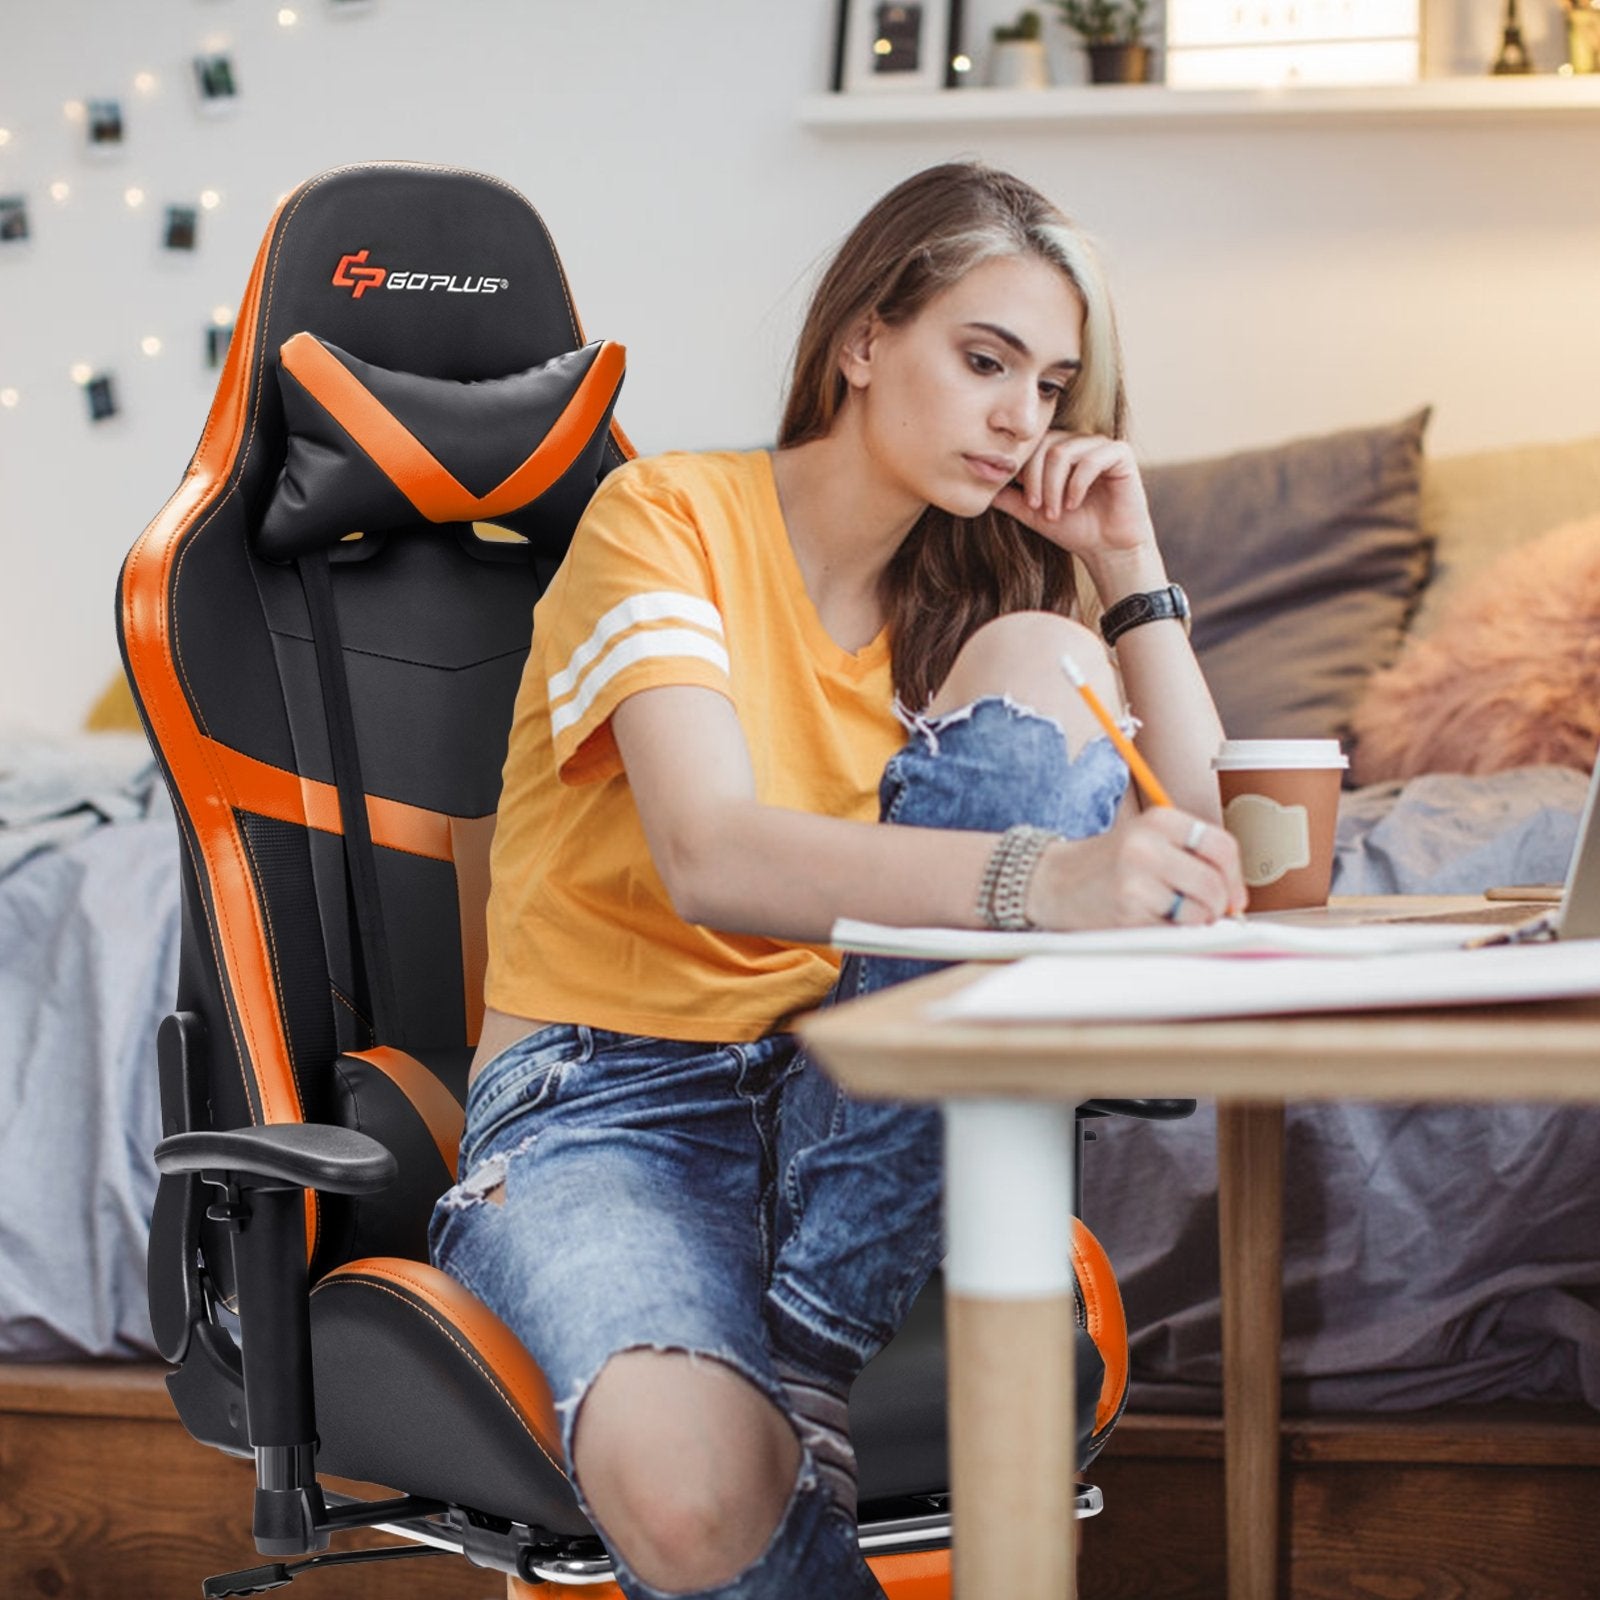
x: 624, y: 443
x: 276, y: 792
x: 436, y: 493
x: 271, y: 791
x: 922, y: 1575
x: 429, y: 1098
x: 1107, y: 1322
x: 619, y: 438
x: 245, y: 957
x: 476, y: 1330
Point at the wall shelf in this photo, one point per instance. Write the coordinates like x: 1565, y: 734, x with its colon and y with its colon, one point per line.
x: 1537, y: 98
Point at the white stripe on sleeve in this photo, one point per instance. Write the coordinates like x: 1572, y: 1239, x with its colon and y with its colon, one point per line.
x: 652, y: 642
x: 655, y: 605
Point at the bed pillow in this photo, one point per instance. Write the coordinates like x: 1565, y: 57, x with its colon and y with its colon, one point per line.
x: 1303, y: 563
x: 1509, y: 676
x: 369, y: 450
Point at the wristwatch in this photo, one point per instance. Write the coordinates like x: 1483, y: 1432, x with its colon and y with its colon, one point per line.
x: 1133, y: 609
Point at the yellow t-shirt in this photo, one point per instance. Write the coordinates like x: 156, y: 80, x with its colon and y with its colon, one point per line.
x: 681, y: 572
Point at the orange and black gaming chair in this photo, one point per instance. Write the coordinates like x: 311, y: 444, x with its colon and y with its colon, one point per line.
x: 325, y: 628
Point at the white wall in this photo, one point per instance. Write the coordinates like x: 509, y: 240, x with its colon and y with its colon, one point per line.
x: 1271, y: 281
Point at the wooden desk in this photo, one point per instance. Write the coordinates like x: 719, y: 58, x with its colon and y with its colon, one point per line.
x: 1008, y: 1092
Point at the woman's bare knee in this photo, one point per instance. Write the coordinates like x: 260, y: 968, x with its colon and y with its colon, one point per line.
x: 686, y: 1465
x: 1019, y: 655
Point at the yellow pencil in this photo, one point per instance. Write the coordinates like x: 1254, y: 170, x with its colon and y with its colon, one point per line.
x: 1137, y: 765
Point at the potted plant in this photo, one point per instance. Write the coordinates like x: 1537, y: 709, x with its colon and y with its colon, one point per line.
x: 1113, y: 36
x: 1017, y: 58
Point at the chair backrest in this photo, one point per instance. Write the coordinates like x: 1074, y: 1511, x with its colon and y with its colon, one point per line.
x: 335, y: 606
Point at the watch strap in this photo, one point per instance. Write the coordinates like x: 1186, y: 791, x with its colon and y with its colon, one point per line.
x: 1156, y: 605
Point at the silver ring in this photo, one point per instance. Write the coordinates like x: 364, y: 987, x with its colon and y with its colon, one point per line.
x: 1175, y: 910
x: 1197, y: 832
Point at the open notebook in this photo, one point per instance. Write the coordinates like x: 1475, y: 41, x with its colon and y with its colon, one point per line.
x: 1328, y: 931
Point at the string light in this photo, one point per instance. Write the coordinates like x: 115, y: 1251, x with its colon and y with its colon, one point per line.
x: 288, y: 17
x: 76, y: 110
x: 9, y: 398
x: 5, y: 136
x: 81, y: 372
x: 210, y: 199
x: 145, y: 82
x: 150, y: 344
x: 222, y: 316
x: 134, y: 197
x: 60, y: 190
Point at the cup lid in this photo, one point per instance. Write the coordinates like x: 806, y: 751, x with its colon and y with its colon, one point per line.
x: 1251, y: 755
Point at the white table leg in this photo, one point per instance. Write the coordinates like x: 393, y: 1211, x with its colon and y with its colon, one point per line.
x: 1009, y: 1320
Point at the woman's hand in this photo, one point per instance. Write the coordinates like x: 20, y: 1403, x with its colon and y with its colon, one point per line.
x: 1083, y: 492
x: 1132, y: 875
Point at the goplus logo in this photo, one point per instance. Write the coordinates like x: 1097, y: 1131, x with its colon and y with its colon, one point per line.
x: 354, y: 274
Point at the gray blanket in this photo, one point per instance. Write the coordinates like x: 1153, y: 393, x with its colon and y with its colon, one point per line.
x: 88, y: 965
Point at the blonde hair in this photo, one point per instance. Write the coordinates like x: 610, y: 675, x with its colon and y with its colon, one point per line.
x: 952, y: 574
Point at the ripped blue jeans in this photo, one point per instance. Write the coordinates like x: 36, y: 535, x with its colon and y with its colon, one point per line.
x: 730, y: 1201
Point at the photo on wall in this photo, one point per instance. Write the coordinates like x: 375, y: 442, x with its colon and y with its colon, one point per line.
x: 890, y: 45
x: 103, y: 128
x: 216, y: 82
x: 217, y: 341
x: 13, y: 219
x: 101, y: 393
x: 181, y: 231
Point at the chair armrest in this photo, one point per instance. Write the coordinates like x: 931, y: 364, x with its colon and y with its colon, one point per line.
x: 308, y: 1155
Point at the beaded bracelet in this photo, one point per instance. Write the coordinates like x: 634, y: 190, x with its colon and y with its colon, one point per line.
x: 1003, y: 893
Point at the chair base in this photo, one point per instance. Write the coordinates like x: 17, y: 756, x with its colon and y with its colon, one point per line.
x: 910, y: 1526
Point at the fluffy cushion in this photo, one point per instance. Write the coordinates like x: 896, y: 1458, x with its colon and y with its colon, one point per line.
x: 1509, y: 676
x: 370, y: 450
x: 1482, y: 503
x: 1303, y: 563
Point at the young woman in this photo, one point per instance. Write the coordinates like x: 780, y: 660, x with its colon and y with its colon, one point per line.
x: 697, y: 1236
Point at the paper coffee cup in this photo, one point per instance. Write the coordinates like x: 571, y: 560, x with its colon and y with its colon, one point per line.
x: 1280, y: 800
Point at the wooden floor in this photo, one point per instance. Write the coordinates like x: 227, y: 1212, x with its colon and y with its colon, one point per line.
x: 103, y: 1496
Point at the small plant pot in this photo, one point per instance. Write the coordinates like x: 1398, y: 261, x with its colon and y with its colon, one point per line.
x: 1019, y: 64
x: 1118, y: 63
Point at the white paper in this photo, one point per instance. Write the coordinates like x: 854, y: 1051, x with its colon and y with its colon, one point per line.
x: 1160, y: 988
x: 1229, y: 937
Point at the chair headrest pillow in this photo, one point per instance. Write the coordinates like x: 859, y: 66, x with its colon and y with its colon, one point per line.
x: 369, y: 450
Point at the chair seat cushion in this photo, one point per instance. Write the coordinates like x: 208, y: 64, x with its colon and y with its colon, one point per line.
x: 419, y: 1385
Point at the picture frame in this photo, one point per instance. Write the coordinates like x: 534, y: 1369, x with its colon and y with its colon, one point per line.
x: 216, y: 82
x: 103, y: 128
x: 218, y: 337
x: 14, y: 225
x: 181, y: 229
x: 100, y: 393
x: 885, y: 46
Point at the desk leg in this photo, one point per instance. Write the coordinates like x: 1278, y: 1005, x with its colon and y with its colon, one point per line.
x: 1009, y: 1320
x: 1250, y: 1216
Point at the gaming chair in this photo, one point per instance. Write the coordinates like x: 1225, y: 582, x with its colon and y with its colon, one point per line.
x: 324, y: 629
